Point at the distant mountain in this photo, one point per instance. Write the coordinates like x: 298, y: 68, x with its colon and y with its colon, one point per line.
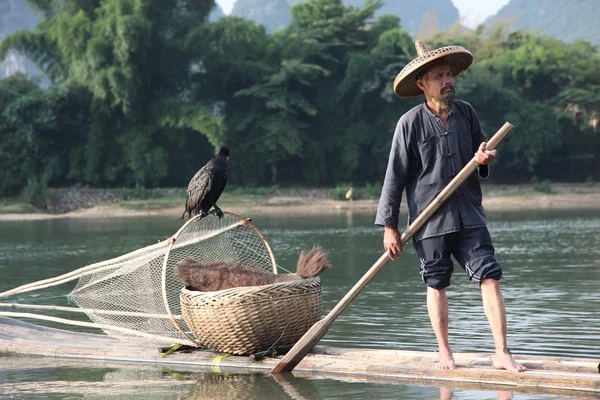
x: 415, y: 16
x: 15, y: 15
x: 273, y: 14
x: 565, y: 20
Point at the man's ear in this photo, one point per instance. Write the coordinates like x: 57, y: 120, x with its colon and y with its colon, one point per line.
x: 420, y: 85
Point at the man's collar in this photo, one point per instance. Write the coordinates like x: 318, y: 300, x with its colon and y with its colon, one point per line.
x: 426, y: 108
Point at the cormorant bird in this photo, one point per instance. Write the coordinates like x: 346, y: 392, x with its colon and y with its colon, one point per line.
x: 206, y: 186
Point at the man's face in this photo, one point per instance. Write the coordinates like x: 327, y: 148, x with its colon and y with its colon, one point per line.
x: 438, y: 83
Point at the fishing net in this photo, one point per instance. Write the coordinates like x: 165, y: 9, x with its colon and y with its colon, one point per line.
x: 142, y: 288
x: 137, y: 294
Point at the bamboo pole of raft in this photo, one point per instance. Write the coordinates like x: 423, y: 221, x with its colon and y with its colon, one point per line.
x: 88, y: 310
x: 574, y: 377
x: 113, y: 263
x: 358, y: 355
x: 319, y: 329
x: 146, y: 335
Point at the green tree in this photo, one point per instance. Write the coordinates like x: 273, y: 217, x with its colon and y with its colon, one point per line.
x: 41, y: 133
x: 130, y: 55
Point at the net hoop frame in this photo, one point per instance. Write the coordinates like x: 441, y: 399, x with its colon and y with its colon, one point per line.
x: 173, y: 240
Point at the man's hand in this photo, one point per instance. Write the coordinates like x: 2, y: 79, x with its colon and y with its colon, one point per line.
x: 483, y: 156
x: 391, y: 242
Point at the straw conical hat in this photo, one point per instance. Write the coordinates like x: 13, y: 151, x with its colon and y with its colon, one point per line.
x: 458, y: 57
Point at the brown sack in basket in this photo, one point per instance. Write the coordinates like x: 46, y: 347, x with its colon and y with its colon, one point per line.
x: 213, y: 276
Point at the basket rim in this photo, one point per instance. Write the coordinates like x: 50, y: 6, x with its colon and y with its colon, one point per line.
x: 234, y: 303
x: 246, y: 289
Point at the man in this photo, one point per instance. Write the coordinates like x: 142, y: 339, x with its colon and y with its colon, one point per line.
x: 431, y: 144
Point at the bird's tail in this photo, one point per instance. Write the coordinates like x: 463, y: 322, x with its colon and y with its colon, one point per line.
x: 183, y: 215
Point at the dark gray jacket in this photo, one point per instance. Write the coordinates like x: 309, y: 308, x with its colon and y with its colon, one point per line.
x: 425, y: 156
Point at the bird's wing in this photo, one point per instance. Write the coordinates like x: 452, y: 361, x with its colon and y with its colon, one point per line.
x: 199, y: 186
x: 219, y: 178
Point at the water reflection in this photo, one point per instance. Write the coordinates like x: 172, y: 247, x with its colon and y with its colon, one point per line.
x: 551, y: 273
x: 253, y: 387
x: 51, y: 379
x: 448, y: 394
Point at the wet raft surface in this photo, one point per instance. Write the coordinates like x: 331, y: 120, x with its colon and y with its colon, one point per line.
x: 550, y: 374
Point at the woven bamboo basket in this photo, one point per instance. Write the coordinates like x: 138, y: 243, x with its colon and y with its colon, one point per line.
x: 252, y: 319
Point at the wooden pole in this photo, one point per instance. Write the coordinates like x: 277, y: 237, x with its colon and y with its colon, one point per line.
x: 132, y: 332
x: 318, y: 330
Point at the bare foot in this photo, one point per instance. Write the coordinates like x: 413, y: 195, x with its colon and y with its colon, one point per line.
x: 446, y: 362
x: 506, y: 361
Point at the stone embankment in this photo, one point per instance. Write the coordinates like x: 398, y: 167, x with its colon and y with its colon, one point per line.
x: 496, y: 197
x: 64, y: 200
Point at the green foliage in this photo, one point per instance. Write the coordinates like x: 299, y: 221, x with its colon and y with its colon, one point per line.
x: 127, y: 56
x: 340, y: 190
x: 536, y: 137
x: 36, y: 191
x: 540, y: 66
x: 373, y: 191
x: 251, y: 190
x: 145, y: 91
x: 40, y: 130
x: 146, y: 161
x: 140, y: 192
x: 18, y: 208
x: 544, y: 186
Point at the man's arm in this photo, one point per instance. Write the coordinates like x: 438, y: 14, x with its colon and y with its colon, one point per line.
x: 393, y: 186
x: 484, y: 157
x: 391, y: 241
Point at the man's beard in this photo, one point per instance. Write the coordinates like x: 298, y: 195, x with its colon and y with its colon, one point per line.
x: 446, y: 97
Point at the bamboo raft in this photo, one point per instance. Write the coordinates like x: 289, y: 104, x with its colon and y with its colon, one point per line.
x: 579, y: 377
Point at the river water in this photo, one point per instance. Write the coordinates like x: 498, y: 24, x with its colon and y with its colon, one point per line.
x: 551, y: 264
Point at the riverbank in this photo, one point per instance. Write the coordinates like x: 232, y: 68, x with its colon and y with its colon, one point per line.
x: 565, y: 196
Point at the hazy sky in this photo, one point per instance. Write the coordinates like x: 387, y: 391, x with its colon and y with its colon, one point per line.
x: 472, y: 11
